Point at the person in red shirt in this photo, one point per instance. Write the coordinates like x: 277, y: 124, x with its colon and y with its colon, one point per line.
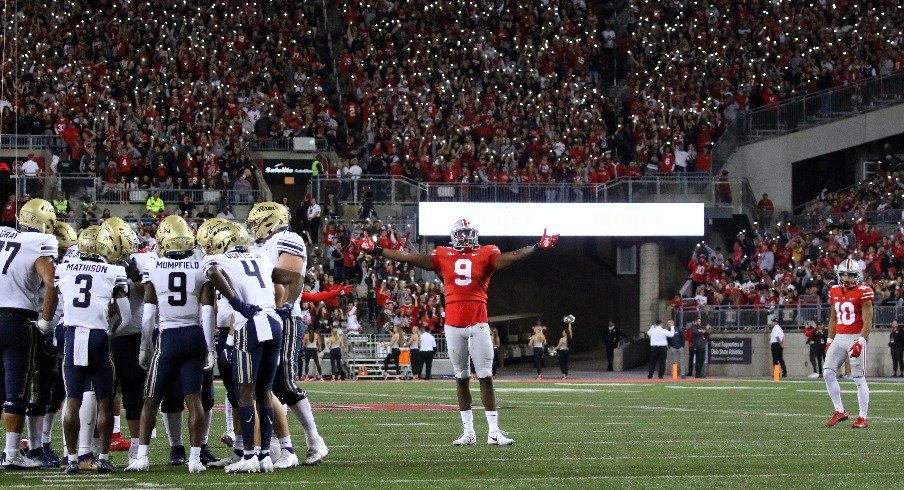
x: 765, y: 210
x: 850, y: 322
x: 9, y: 212
x: 466, y: 268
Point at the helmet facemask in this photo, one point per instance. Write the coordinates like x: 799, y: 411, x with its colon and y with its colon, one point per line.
x: 464, y: 237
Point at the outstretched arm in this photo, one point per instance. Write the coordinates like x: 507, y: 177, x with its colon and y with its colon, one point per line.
x: 546, y: 242
x: 421, y: 261
x: 509, y: 258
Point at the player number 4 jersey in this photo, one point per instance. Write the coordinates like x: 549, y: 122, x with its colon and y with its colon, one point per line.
x: 251, y: 277
x: 18, y: 280
x: 178, y: 286
x: 848, y: 306
x: 86, y: 289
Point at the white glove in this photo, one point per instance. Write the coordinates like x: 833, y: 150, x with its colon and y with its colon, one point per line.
x: 211, y: 360
x: 45, y: 326
x: 230, y: 340
x: 144, y: 358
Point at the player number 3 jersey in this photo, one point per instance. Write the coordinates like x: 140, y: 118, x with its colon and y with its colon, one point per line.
x: 466, y: 276
x: 848, y: 306
x: 86, y: 289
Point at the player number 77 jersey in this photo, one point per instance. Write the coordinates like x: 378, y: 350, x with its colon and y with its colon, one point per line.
x: 848, y: 306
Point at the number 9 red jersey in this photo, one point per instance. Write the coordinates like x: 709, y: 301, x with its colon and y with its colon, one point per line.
x: 466, y: 276
x: 848, y: 306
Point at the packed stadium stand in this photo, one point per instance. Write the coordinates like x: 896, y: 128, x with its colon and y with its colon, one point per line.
x: 135, y: 97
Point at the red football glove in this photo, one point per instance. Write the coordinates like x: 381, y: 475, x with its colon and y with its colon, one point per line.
x: 547, y: 241
x: 858, y: 347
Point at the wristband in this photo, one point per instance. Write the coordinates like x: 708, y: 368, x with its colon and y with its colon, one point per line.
x: 829, y: 341
x: 861, y: 339
x: 537, y: 246
x: 378, y: 250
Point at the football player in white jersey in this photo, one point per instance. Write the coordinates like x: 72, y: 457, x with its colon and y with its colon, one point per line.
x: 176, y: 288
x: 26, y: 262
x: 126, y: 340
x: 247, y: 281
x: 224, y: 321
x: 48, y: 394
x: 87, y: 287
x: 269, y: 225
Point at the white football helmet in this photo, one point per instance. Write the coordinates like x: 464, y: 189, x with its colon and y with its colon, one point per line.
x: 848, y: 273
x: 464, y: 236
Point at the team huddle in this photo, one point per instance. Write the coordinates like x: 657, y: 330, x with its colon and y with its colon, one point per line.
x: 87, y: 316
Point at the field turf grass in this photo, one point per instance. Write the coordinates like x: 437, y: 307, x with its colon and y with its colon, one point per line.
x: 590, y: 434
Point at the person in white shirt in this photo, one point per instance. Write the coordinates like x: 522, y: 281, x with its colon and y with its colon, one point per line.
x: 659, y: 347
x: 314, y: 212
x: 777, y: 341
x: 354, y: 170
x: 680, y: 159
x: 31, y: 168
x: 428, y: 345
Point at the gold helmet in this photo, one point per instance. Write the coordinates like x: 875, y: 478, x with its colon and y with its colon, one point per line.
x: 174, y: 235
x: 95, y: 242
x: 266, y: 218
x: 206, y: 231
x: 124, y: 238
x: 227, y: 236
x: 38, y: 215
x: 65, y: 236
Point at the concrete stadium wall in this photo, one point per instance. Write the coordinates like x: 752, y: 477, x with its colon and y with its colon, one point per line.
x: 797, y: 356
x: 767, y: 164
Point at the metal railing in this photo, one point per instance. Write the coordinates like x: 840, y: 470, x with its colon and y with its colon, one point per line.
x: 678, y: 187
x: 31, y: 142
x: 879, y: 217
x: 90, y: 188
x: 381, y: 190
x: 374, y: 346
x: 759, y: 316
x: 806, y: 111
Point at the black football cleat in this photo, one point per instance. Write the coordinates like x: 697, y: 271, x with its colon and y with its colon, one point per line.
x: 177, y: 456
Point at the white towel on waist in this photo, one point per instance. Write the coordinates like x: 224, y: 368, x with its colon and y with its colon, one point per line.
x: 80, y: 346
x: 262, y: 324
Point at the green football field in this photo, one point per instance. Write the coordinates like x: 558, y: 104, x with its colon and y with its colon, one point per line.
x: 591, y: 434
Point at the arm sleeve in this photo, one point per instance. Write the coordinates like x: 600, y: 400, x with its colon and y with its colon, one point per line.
x: 48, y: 247
x: 208, y: 323
x: 125, y: 310
x: 316, y: 297
x: 291, y: 243
x: 147, y: 323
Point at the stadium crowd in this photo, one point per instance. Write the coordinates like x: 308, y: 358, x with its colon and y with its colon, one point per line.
x: 143, y: 95
x: 790, y: 265
x: 699, y: 65
x: 157, y: 94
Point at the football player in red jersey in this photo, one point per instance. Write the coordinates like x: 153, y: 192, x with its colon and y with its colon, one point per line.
x: 466, y: 268
x: 850, y: 321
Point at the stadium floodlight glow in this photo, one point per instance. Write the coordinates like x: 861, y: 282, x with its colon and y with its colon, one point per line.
x: 567, y: 219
